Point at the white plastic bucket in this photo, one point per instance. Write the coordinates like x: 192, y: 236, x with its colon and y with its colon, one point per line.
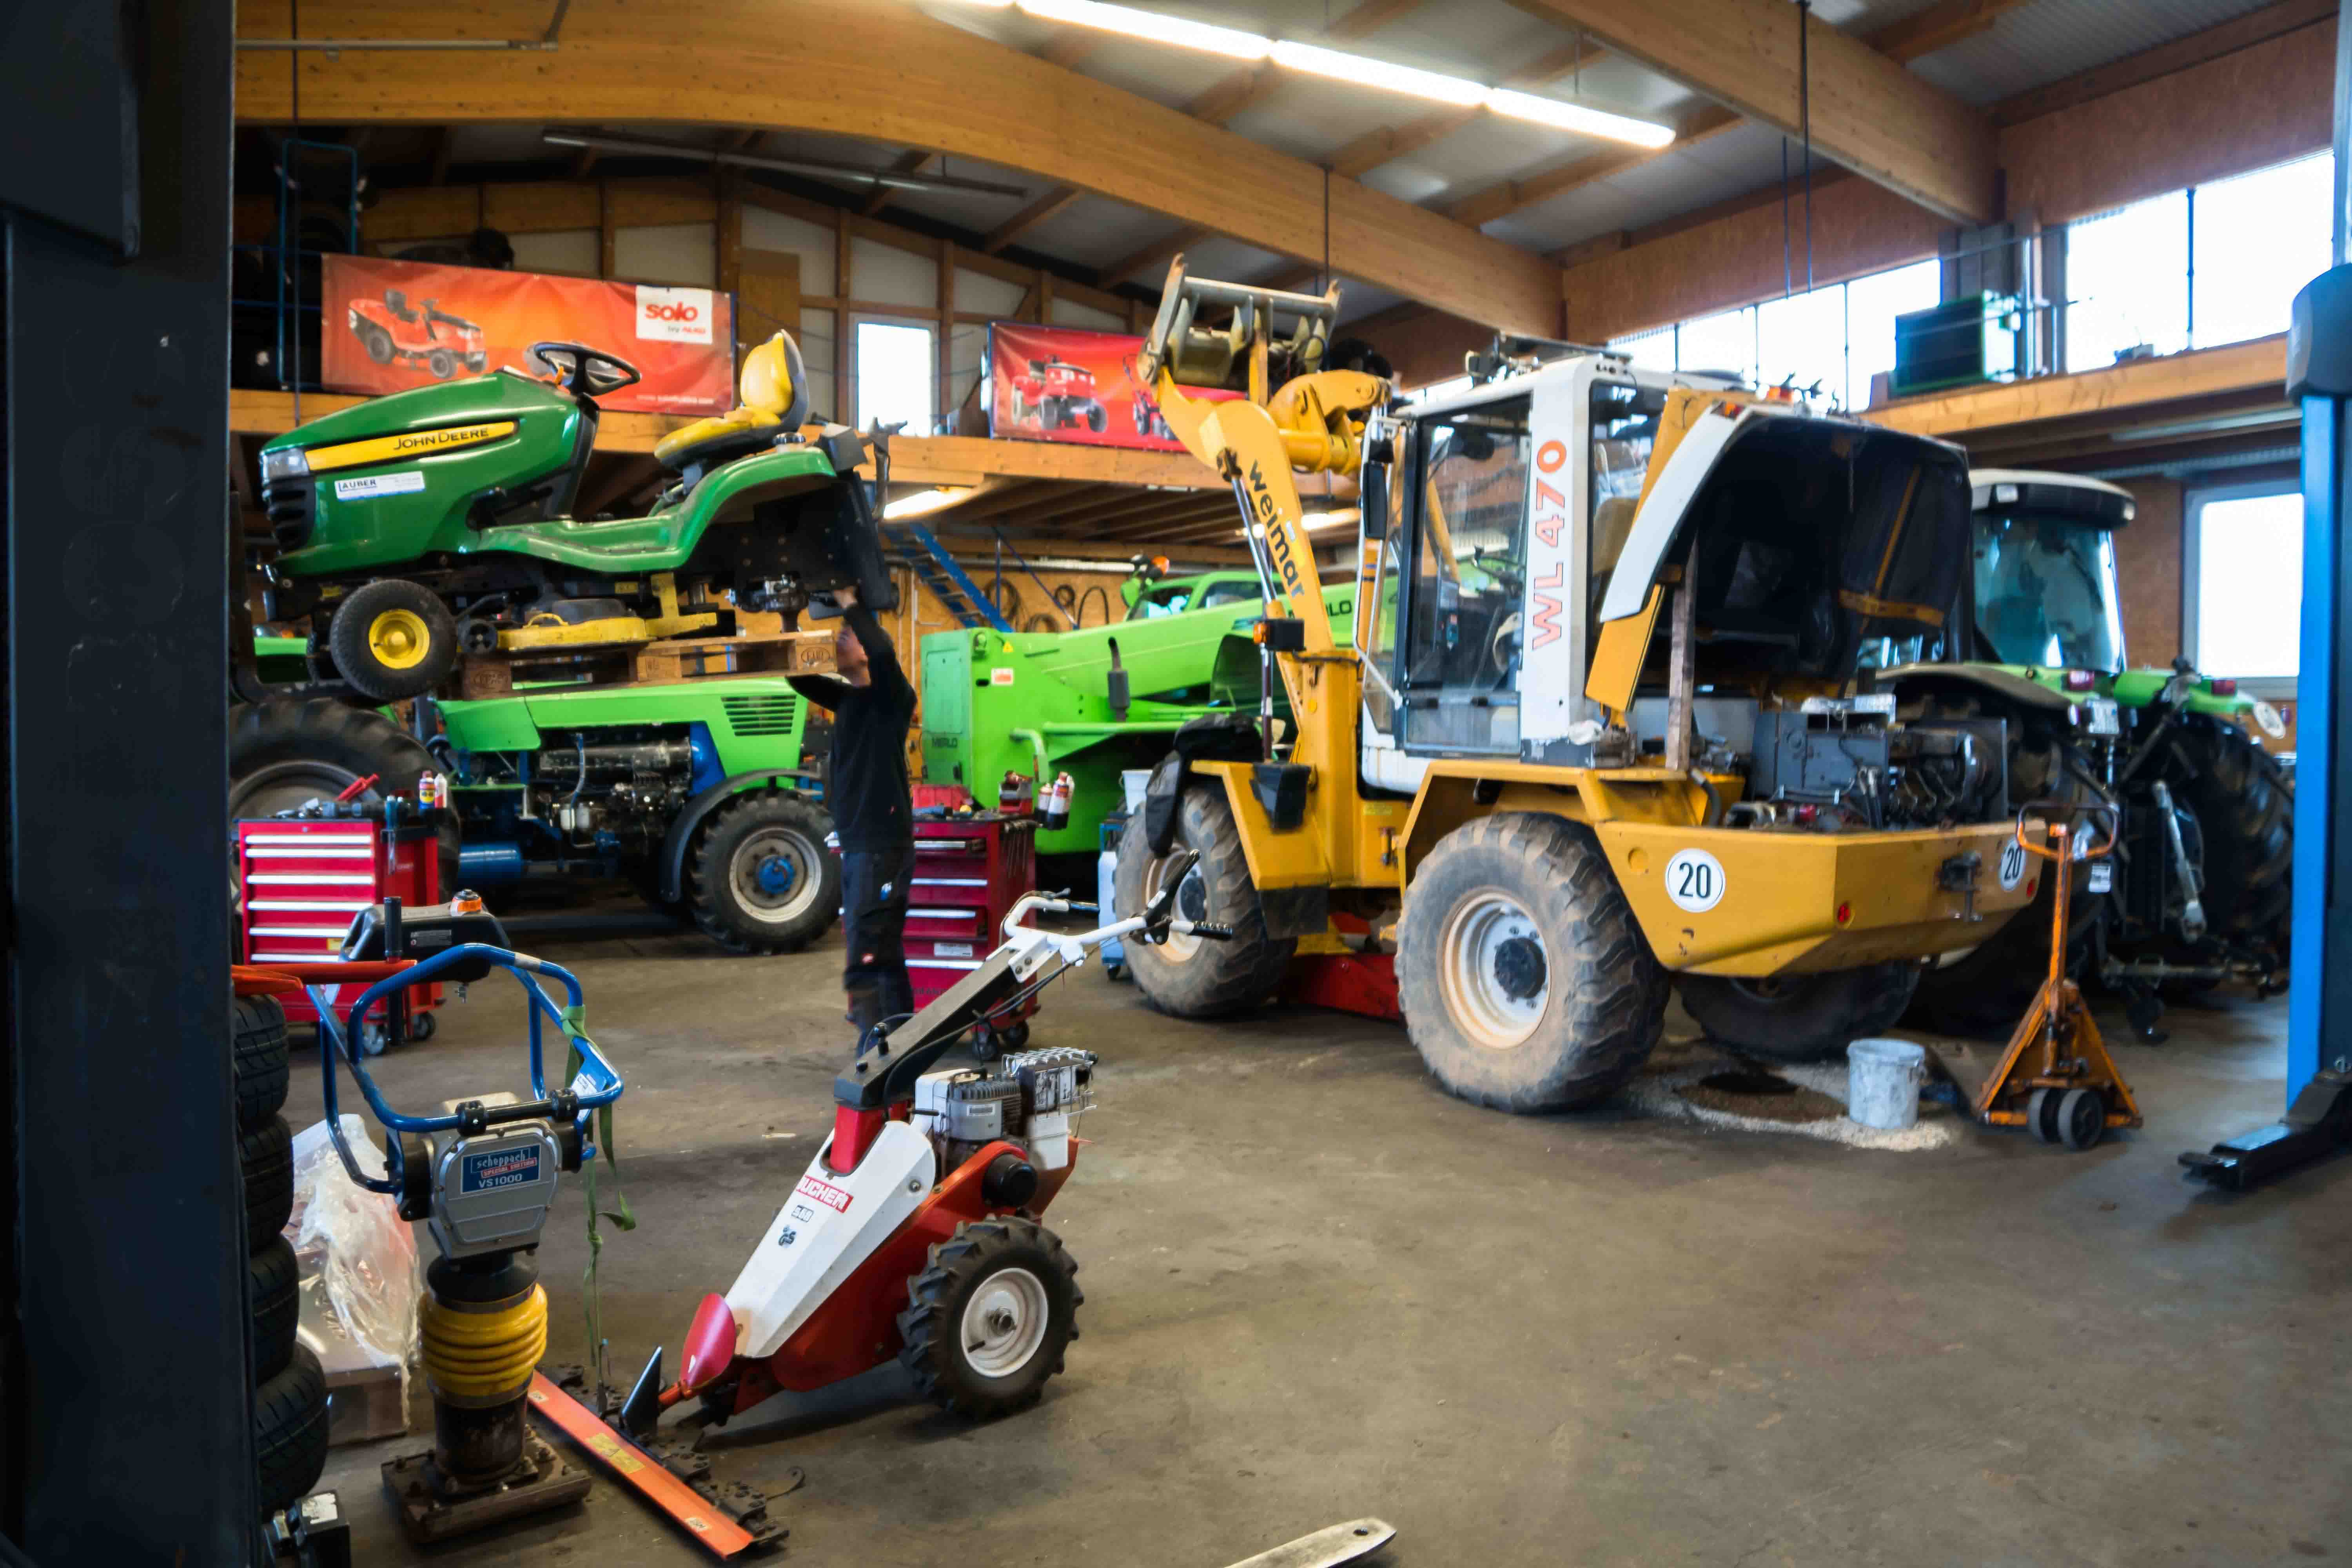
x: 1132, y: 783
x: 1882, y: 1079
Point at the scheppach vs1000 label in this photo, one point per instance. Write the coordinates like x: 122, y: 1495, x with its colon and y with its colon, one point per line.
x: 492, y: 1169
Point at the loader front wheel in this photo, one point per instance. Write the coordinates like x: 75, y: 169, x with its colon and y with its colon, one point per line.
x: 1798, y: 1017
x: 1188, y: 976
x: 1526, y: 983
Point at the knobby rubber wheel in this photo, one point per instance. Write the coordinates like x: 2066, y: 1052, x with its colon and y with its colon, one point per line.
x: 2244, y: 807
x: 259, y: 1050
x: 289, y: 1431
x: 1798, y: 1017
x: 273, y: 1286
x: 1526, y: 983
x: 761, y: 880
x: 378, y: 343
x: 1192, y: 976
x: 441, y: 363
x: 265, y: 1156
x: 988, y: 1319
x: 282, y: 754
x: 394, y: 638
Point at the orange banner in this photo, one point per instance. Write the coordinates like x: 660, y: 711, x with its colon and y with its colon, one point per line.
x: 390, y: 325
x: 1065, y: 383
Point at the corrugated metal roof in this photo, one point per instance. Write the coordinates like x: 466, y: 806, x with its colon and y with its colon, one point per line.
x: 2048, y: 39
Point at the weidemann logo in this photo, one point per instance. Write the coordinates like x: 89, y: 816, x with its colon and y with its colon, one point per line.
x: 675, y: 315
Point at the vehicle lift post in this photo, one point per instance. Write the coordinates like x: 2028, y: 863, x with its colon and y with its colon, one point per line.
x: 2318, y: 1117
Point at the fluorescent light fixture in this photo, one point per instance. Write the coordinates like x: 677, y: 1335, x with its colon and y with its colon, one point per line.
x: 1313, y: 521
x: 2219, y: 425
x: 1363, y: 72
x: 1563, y: 116
x: 1150, y: 25
x: 922, y: 503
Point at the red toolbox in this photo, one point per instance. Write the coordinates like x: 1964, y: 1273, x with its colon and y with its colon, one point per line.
x: 969, y: 873
x: 300, y: 879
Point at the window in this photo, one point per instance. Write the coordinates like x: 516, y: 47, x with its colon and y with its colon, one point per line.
x: 1801, y: 340
x: 2257, y: 240
x: 1871, y: 304
x: 2128, y: 282
x: 1625, y: 432
x: 1725, y: 343
x: 2046, y: 591
x: 895, y: 370
x: 2242, y: 610
x: 1461, y: 657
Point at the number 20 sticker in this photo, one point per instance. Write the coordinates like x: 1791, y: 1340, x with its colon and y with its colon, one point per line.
x: 1695, y: 880
x: 2012, y: 865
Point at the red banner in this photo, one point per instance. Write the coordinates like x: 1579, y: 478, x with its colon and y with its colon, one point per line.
x: 390, y: 325
x: 1064, y: 384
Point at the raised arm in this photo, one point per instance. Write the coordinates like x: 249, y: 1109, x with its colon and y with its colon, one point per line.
x: 825, y: 691
x: 881, y: 658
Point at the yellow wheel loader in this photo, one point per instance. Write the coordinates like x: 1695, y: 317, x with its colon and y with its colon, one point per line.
x: 1606, y: 723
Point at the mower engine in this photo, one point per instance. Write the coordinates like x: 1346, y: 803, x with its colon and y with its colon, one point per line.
x: 1033, y: 1099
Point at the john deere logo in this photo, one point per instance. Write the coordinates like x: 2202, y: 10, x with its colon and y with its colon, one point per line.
x: 410, y: 444
x: 428, y: 440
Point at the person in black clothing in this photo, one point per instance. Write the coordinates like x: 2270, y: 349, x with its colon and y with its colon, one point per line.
x: 872, y: 810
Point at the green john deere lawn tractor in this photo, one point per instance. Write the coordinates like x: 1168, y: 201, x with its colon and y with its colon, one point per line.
x: 438, y: 521
x: 2196, y: 892
x: 1098, y: 701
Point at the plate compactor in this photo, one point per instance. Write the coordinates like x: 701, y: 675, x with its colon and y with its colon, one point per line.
x: 440, y: 520
x: 913, y: 1233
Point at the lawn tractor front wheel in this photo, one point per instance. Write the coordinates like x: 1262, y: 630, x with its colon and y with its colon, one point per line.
x: 1188, y: 976
x: 377, y: 341
x: 441, y: 363
x: 1526, y: 985
x: 393, y: 639
x: 1798, y: 1017
x: 761, y: 880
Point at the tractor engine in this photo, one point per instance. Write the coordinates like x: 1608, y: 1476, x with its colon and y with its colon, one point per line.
x: 1847, y: 763
x: 604, y: 804
x: 1029, y: 1098
x: 594, y: 794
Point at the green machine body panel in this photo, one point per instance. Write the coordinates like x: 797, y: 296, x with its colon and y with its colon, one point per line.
x: 754, y: 723
x: 1039, y: 702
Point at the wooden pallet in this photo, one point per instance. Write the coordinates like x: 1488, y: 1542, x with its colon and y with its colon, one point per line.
x: 761, y: 648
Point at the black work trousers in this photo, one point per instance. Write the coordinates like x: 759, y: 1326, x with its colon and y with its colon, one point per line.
x: 874, y: 885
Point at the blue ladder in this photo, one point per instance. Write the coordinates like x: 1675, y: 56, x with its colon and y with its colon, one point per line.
x: 935, y: 570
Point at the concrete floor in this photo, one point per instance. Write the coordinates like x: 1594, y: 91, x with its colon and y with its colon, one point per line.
x: 1316, y: 1287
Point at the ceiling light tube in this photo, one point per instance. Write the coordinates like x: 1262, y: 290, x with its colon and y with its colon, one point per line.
x: 1577, y: 118
x: 1150, y: 25
x: 1363, y: 72
x: 892, y: 178
x: 922, y: 503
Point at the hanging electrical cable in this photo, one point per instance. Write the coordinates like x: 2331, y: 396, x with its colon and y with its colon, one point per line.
x: 1805, y: 121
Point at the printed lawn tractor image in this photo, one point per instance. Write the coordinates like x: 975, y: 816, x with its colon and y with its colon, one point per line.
x: 2196, y: 892
x: 695, y: 792
x: 1057, y: 395
x: 441, y: 342
x: 1143, y: 409
x: 1594, y: 736
x: 438, y: 522
x: 916, y: 1233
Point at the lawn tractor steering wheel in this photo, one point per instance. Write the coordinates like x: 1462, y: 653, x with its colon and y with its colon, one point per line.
x: 582, y: 370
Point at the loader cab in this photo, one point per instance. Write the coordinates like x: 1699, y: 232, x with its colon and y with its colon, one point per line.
x: 1487, y: 538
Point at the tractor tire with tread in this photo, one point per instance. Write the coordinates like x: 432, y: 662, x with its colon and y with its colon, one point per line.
x: 363, y: 657
x: 1188, y: 976
x: 286, y: 750
x: 265, y: 1158
x: 289, y: 1431
x: 1040, y: 1277
x: 722, y: 873
x: 274, y: 1292
x: 2245, y: 811
x: 1803, y: 1018
x: 1599, y: 995
x: 259, y: 1053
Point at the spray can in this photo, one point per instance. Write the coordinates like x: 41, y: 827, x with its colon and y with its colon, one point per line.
x: 1057, y: 803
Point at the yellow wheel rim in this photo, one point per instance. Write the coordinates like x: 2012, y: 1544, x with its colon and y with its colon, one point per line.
x: 398, y: 638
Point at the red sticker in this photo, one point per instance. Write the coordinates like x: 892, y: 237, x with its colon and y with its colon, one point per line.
x: 831, y: 1196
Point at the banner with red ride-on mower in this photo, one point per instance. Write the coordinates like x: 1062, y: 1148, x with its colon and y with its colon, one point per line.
x: 390, y: 325
x: 1066, y: 384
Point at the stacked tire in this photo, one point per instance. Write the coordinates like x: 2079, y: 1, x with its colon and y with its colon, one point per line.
x: 290, y: 1396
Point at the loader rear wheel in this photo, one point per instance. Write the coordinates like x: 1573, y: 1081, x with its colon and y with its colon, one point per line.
x: 762, y: 881
x: 1798, y: 1017
x: 988, y: 1319
x: 394, y: 638
x: 1188, y: 976
x: 1526, y: 983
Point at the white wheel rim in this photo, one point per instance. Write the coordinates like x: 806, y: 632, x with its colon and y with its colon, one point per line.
x: 1004, y: 1322
x: 1180, y: 945
x: 1483, y: 969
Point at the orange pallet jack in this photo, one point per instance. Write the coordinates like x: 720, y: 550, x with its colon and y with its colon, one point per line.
x: 2069, y: 1089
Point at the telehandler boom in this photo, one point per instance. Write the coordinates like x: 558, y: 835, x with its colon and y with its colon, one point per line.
x: 1604, y: 725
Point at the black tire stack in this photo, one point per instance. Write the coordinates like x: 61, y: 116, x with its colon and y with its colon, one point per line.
x: 290, y: 1397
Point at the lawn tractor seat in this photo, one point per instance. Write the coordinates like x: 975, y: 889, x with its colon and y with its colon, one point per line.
x: 397, y: 304
x: 775, y: 402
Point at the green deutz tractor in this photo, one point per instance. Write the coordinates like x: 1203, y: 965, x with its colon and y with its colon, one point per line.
x: 438, y: 521
x: 2196, y: 892
x: 434, y: 522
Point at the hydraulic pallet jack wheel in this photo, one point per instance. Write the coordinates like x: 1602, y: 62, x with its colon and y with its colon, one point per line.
x: 2056, y: 1078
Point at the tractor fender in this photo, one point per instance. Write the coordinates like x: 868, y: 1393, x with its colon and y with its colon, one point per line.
x: 1988, y: 678
x: 690, y: 817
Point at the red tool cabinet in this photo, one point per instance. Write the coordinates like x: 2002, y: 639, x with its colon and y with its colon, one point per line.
x: 969, y: 873
x: 301, y: 880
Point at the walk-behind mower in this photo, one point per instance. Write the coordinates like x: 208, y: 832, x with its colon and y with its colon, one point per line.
x: 914, y: 1233
x: 439, y: 519
x: 441, y: 342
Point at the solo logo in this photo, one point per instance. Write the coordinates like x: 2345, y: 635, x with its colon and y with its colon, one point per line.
x: 675, y: 315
